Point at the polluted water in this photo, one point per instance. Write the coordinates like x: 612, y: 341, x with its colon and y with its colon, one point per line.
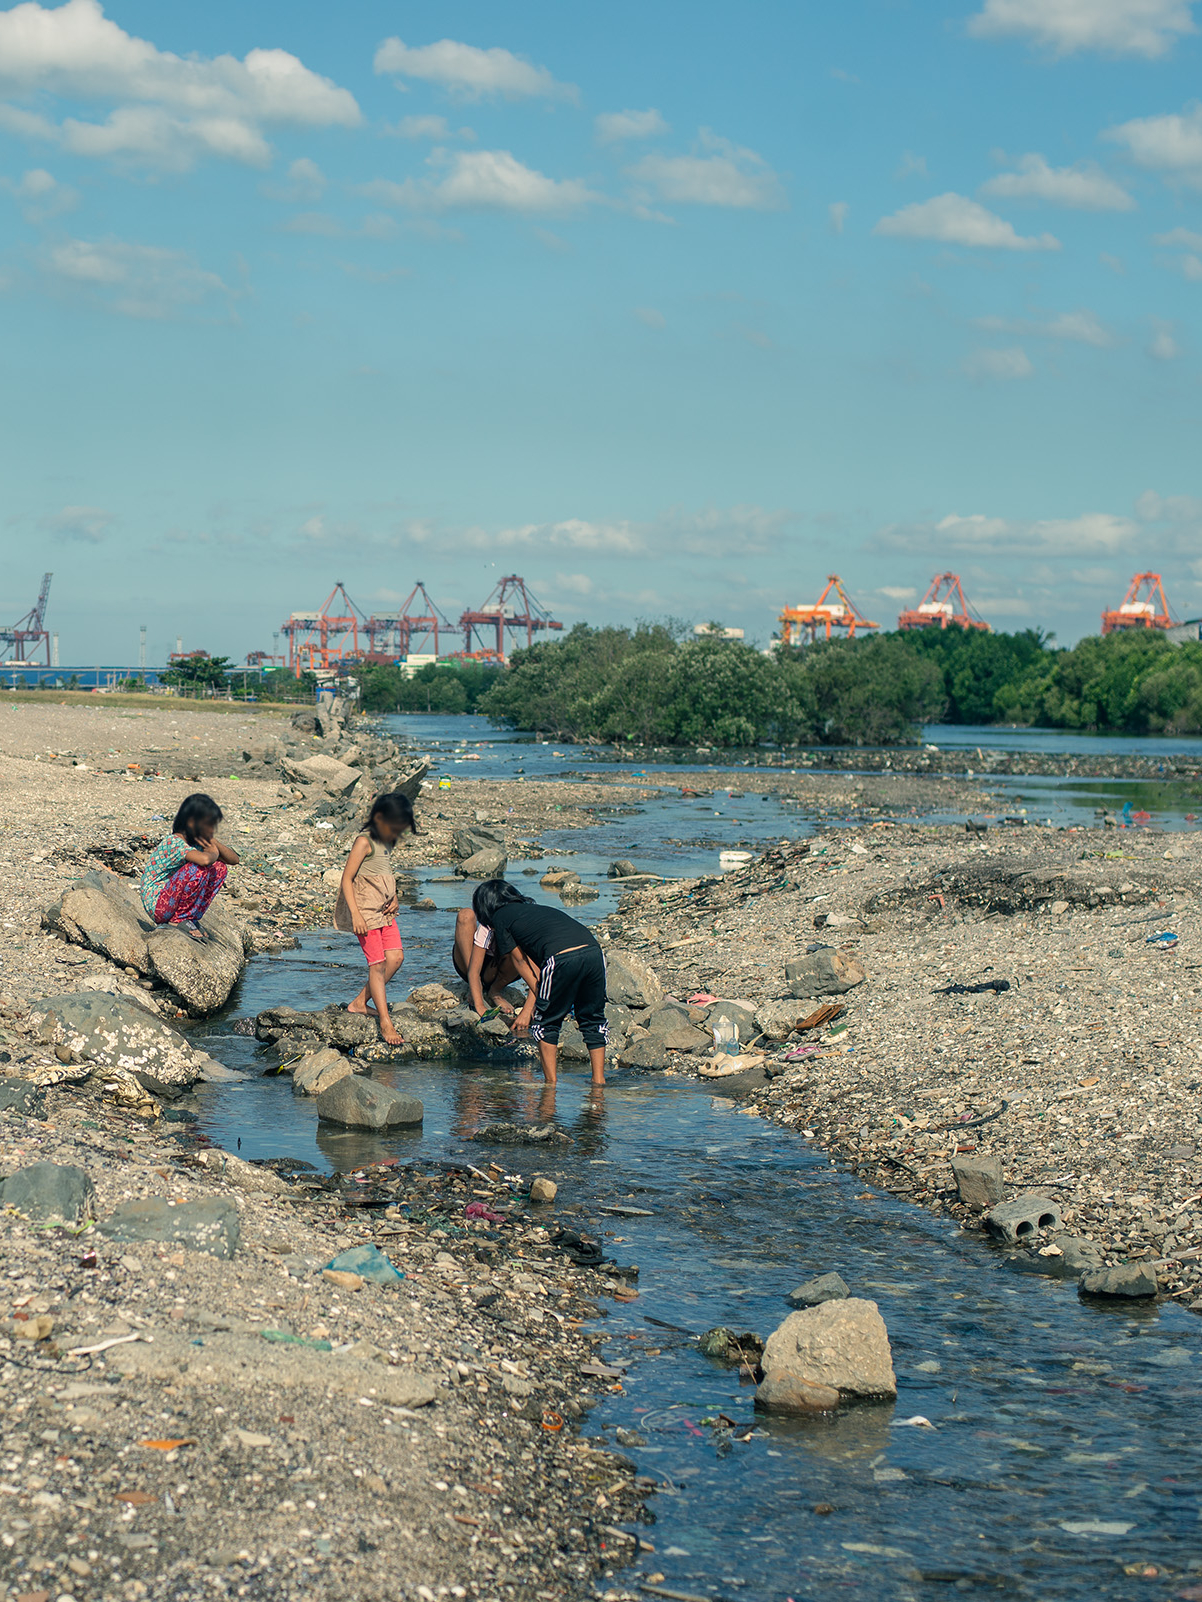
x: 1039, y: 1447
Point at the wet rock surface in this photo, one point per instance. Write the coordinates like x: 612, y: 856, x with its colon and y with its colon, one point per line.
x: 358, y: 1103
x: 839, y: 1347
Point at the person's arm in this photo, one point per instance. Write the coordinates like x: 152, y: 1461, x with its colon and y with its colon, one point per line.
x: 353, y: 863
x: 528, y: 972
x: 227, y: 854
x: 203, y: 856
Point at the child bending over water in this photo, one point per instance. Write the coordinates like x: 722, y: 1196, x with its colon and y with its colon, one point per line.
x: 187, y: 867
x: 367, y: 904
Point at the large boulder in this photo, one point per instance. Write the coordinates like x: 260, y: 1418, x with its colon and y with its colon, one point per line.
x: 202, y: 973
x: 777, y: 1020
x: 333, y: 1027
x: 105, y: 913
x: 210, y: 1225
x: 467, y: 841
x: 630, y: 981
x: 318, y: 1070
x: 336, y: 778
x: 116, y: 1032
x: 358, y: 1103
x: 839, y: 1348
x: 45, y: 1191
x: 488, y: 863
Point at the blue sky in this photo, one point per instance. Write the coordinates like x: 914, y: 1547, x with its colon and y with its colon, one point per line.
x: 671, y: 309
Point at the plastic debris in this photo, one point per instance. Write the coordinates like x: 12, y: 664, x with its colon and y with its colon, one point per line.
x: 1165, y: 940
x: 369, y: 1262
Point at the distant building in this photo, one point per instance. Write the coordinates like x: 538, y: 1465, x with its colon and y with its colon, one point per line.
x: 716, y: 631
x: 1178, y: 633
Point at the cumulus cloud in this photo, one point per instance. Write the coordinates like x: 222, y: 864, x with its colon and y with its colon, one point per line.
x: 1147, y: 28
x: 481, y: 180
x: 716, y: 173
x: 1084, y: 187
x: 168, y: 110
x: 421, y: 128
x: 1079, y: 327
x: 612, y: 127
x: 650, y: 316
x: 470, y: 73
x: 897, y: 592
x: 143, y: 281
x: 1012, y: 362
x: 1170, y: 145
x: 1162, y: 346
x: 837, y: 215
x: 955, y: 220
x: 1091, y: 534
x: 305, y: 181
x: 40, y: 195
x: 1184, y: 238
x: 86, y: 525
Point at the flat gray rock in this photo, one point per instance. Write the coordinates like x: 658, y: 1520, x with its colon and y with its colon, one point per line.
x: 210, y: 1225
x: 358, y: 1103
x: 45, y: 1191
x: 1127, y: 1280
x: 114, y: 1031
x: 318, y: 1070
x: 822, y: 1288
x: 488, y: 863
x: 20, y: 1096
x: 630, y: 981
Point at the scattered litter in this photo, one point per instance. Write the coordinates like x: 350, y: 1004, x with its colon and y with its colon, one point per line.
x: 479, y: 1210
x: 825, y: 1014
x: 917, y: 1422
x: 369, y: 1262
x: 170, y: 1446
x: 996, y: 985
x: 1166, y: 940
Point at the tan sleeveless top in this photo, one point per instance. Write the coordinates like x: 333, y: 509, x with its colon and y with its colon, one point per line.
x: 375, y: 887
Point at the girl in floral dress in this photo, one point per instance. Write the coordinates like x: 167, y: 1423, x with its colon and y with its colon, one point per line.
x: 188, y: 867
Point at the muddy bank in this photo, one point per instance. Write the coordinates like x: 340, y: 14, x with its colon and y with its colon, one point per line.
x: 178, y: 1422
x: 1082, y: 1075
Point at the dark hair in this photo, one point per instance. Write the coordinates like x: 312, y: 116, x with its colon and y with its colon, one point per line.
x: 488, y: 899
x: 395, y: 808
x: 196, y: 812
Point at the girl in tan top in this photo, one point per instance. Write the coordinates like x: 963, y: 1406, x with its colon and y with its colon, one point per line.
x: 367, y: 904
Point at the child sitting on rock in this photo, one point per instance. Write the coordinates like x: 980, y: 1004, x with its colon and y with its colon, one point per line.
x: 367, y: 904
x: 188, y: 867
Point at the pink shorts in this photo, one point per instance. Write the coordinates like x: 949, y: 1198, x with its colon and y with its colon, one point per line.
x: 377, y: 941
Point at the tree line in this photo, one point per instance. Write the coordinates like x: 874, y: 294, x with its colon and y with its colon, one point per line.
x: 652, y: 685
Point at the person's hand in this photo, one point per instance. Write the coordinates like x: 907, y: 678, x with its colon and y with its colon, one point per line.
x: 506, y: 1007
x: 358, y: 923
x: 521, y: 1024
x: 390, y: 907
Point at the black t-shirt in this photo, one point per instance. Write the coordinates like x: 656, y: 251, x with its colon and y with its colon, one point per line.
x: 540, y: 931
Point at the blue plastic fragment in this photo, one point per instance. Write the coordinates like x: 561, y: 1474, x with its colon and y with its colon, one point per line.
x: 369, y: 1262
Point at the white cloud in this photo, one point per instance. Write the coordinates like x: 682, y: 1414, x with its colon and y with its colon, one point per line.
x: 482, y: 180
x: 1004, y: 364
x: 144, y: 281
x: 571, y: 584
x: 1170, y: 145
x: 1185, y: 238
x: 955, y: 220
x: 1154, y: 508
x: 422, y: 128
x: 471, y: 73
x: 1162, y: 346
x: 1084, y: 187
x: 1115, y: 263
x: 837, y: 215
x: 650, y: 316
x: 1079, y: 327
x: 898, y: 592
x: 612, y: 127
x: 1147, y: 28
x: 40, y: 195
x: 168, y: 110
x: 717, y: 173
x: 1092, y: 534
x: 912, y: 166
x: 87, y: 525
x: 305, y: 182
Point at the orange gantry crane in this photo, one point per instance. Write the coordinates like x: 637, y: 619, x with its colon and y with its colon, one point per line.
x: 323, y: 638
x: 28, y: 634
x: 392, y: 636
x: 510, y: 606
x: 943, y: 604
x: 826, y: 614
x: 1143, y: 607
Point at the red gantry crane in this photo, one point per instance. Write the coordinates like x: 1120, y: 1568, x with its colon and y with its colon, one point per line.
x: 28, y: 634
x: 392, y: 636
x: 943, y: 604
x: 1143, y: 607
x: 326, y: 637
x: 510, y: 606
x: 826, y: 614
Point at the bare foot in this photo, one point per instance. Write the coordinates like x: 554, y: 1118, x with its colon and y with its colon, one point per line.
x: 351, y: 1007
x: 390, y: 1037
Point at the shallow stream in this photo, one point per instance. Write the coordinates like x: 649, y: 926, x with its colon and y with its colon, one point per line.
x: 1063, y: 1453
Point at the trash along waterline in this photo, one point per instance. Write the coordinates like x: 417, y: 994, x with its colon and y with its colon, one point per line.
x: 1051, y: 1423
